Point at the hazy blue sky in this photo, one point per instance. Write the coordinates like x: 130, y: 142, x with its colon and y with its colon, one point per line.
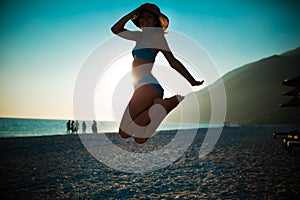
x: 44, y: 43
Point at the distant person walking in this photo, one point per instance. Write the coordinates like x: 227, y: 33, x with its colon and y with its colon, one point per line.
x: 72, y: 126
x: 76, y: 126
x: 83, y: 127
x: 94, y: 127
x: 68, y: 125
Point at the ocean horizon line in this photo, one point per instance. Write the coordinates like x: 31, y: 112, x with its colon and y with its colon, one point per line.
x: 28, y: 127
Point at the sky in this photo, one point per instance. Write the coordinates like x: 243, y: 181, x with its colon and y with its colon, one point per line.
x: 45, y: 43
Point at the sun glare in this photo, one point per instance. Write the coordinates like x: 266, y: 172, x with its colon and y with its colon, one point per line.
x: 107, y: 85
x: 115, y: 86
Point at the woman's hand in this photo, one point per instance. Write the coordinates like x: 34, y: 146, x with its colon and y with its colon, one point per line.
x: 118, y: 27
x: 136, y: 12
x: 197, y: 83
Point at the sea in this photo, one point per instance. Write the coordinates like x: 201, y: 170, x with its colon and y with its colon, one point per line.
x: 15, y: 127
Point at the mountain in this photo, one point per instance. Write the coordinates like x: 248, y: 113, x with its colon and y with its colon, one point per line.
x: 253, y: 92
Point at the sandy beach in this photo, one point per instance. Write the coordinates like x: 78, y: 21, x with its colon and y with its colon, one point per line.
x: 246, y: 163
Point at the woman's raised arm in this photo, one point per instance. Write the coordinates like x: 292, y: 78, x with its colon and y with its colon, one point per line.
x: 176, y: 64
x: 119, y: 27
x: 179, y: 67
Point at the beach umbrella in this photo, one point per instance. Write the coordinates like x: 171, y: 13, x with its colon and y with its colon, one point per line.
x: 295, y: 82
x: 292, y: 92
x: 295, y: 102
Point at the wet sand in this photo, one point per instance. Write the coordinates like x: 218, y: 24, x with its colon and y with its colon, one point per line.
x: 246, y: 163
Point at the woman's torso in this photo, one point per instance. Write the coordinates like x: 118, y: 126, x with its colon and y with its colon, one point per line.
x: 143, y: 60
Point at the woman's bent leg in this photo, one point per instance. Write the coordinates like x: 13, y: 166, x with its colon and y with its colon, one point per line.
x: 140, y: 102
x: 145, y: 112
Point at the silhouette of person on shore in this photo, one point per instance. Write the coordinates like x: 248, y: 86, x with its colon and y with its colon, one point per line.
x: 68, y: 125
x: 148, y: 93
x: 94, y: 127
x: 76, y: 126
x: 73, y: 127
x: 83, y: 127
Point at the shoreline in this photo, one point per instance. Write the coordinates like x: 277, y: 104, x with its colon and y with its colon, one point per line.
x: 287, y: 126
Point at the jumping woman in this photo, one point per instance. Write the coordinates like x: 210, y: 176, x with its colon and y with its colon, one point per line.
x: 138, y: 119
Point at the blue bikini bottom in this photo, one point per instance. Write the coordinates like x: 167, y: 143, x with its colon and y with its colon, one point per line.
x: 152, y: 81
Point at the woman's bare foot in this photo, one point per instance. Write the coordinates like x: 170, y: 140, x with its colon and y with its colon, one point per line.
x: 169, y: 103
x: 180, y: 98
